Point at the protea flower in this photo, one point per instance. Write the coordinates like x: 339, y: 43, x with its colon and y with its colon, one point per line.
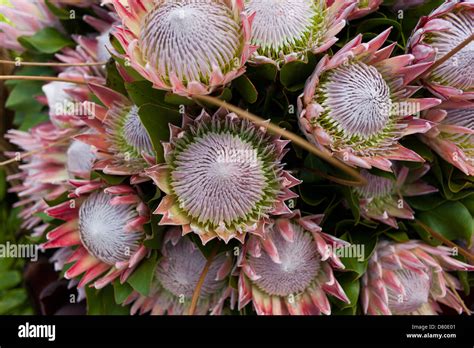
x: 438, y: 34
x: 186, y: 46
x: 222, y: 177
x: 176, y: 277
x: 287, y: 30
x: 122, y: 142
x: 291, y: 270
x: 106, y: 226
x: 96, y: 46
x: 64, y: 98
x: 357, y: 104
x: 362, y: 8
x: 25, y: 18
x: 93, y: 47
x: 453, y: 136
x: 43, y: 175
x: 411, y: 278
x: 381, y: 199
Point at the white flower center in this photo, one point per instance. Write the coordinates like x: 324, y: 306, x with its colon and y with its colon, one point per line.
x: 80, y: 158
x: 300, y: 264
x: 457, y: 71
x: 218, y: 178
x: 463, y: 118
x: 376, y: 187
x: 358, y: 100
x: 417, y: 291
x: 135, y: 133
x: 190, y: 37
x: 102, y: 229
x: 280, y: 24
x: 180, y: 269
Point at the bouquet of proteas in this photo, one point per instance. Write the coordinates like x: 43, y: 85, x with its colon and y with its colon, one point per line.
x: 245, y: 156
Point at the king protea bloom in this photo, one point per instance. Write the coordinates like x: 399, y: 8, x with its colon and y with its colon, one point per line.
x: 223, y: 177
x: 381, y: 199
x: 176, y: 278
x: 291, y: 270
x: 453, y: 136
x: 438, y: 34
x: 43, y: 174
x: 64, y: 99
x: 357, y: 104
x: 187, y: 46
x: 25, y: 18
x: 106, y: 227
x: 411, y: 279
x: 93, y: 47
x: 122, y: 142
x: 287, y: 30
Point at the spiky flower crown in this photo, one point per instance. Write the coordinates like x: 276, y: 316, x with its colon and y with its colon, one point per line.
x: 223, y: 177
x: 163, y: 167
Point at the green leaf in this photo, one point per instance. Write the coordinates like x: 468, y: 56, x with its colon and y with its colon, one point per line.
x: 425, y: 202
x: 398, y: 236
x: 141, y: 279
x: 451, y: 219
x: 22, y: 97
x: 47, y: 40
x: 175, y: 99
x: 121, y: 291
x: 246, y: 89
x: 372, y: 23
x: 352, y: 289
x: 12, y: 299
x: 102, y: 302
x: 111, y: 179
x: 114, y: 79
x: 142, y: 92
x: 156, y: 120
x: 265, y: 71
x: 293, y: 75
x: 58, y: 200
x: 9, y: 280
x: 61, y: 13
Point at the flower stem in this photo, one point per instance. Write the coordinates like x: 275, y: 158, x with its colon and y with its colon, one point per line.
x: 54, y: 64
x: 359, y: 180
x: 446, y: 241
x: 31, y: 153
x: 448, y: 55
x: 202, y: 278
x: 42, y: 78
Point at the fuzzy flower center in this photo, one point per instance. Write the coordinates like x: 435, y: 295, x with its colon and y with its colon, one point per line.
x: 358, y: 101
x: 190, y: 38
x: 377, y: 186
x: 219, y: 178
x: 300, y: 264
x: 417, y: 291
x: 135, y: 133
x: 281, y: 25
x: 102, y: 229
x: 179, y: 271
x: 458, y: 71
x: 129, y: 136
x: 80, y: 158
x: 463, y: 118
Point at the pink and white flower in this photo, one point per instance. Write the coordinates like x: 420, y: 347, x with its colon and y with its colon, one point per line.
x: 356, y: 106
x: 411, y: 278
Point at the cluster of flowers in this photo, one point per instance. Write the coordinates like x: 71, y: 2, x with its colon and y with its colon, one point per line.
x: 222, y: 178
